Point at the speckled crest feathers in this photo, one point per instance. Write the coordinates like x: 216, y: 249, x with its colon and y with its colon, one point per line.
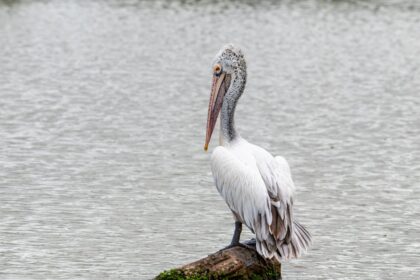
x: 233, y: 56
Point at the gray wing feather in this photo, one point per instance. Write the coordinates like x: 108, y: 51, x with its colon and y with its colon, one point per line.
x: 291, y: 238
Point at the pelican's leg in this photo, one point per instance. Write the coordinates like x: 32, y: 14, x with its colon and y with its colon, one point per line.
x: 236, y: 234
x: 236, y: 237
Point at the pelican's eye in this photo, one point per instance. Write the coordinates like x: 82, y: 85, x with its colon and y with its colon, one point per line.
x: 217, y: 69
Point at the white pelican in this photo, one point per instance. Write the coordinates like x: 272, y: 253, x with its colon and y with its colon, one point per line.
x: 257, y: 187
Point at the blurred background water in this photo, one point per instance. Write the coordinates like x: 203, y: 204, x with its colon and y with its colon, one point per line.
x: 102, y: 121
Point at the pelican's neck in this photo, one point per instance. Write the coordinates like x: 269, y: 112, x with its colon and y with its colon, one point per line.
x: 227, y: 123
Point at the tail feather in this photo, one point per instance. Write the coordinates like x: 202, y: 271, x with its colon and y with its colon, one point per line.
x: 299, y: 243
x: 286, y: 248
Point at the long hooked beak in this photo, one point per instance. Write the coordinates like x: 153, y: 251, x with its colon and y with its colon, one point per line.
x: 219, y: 87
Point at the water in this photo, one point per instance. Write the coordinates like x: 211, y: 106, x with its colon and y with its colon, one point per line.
x: 102, y: 123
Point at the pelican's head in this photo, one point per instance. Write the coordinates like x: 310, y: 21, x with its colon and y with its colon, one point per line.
x: 228, y: 64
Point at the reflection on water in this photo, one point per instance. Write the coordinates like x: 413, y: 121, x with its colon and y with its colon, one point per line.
x: 103, y: 108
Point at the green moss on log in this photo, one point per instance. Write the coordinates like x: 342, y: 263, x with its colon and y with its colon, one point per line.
x: 177, y: 274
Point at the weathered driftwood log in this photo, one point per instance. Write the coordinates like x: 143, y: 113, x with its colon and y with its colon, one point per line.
x: 233, y: 263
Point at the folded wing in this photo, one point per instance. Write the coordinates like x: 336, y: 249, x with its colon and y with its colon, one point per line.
x: 291, y: 238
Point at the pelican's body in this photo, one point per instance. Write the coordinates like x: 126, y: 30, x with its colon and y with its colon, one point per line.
x: 257, y: 187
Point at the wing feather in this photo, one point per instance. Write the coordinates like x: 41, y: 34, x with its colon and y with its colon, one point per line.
x: 292, y: 238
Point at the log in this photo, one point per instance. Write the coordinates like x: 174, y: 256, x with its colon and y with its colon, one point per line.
x: 232, y: 263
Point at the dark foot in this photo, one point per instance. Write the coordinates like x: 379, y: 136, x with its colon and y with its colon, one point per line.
x: 251, y: 242
x: 243, y: 245
x: 246, y: 246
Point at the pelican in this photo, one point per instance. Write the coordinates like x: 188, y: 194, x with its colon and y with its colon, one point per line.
x: 257, y: 187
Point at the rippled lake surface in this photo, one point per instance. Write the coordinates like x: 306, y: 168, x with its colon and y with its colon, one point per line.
x: 103, y: 108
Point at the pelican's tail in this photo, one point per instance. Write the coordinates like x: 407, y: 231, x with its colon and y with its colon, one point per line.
x: 298, y: 244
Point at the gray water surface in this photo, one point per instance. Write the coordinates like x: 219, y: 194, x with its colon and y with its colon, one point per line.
x: 103, y: 109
